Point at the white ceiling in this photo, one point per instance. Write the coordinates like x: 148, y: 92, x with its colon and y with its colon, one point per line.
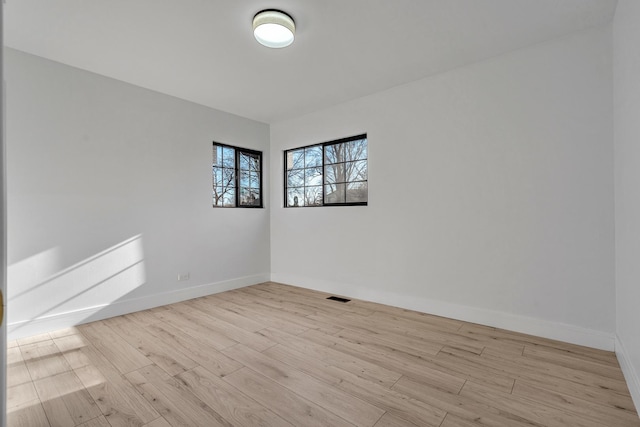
x: 204, y: 51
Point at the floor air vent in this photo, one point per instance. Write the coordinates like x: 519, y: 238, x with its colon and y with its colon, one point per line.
x: 339, y: 299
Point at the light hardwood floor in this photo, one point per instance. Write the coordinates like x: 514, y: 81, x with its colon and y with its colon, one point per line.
x: 276, y: 355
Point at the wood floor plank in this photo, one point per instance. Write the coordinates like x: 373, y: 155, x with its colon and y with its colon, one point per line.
x: 452, y: 420
x: 43, y: 359
x: 347, y: 362
x: 66, y: 343
x: 542, y: 414
x: 522, y: 367
x: 411, y: 328
x: 121, y: 404
x: 159, y: 422
x: 169, y: 397
x: 109, y: 398
x: 28, y: 414
x: 119, y: 352
x: 64, y: 332
x: 412, y: 320
x: 590, y: 391
x: 250, y: 339
x: 487, y: 333
x: 381, y: 340
x: 408, y: 361
x: 228, y: 401
x: 265, y: 320
x: 100, y: 421
x: 567, y: 360
x: 393, y: 330
x: 464, y: 408
x: 252, y: 303
x: 228, y: 316
x: 139, y: 318
x: 425, y: 368
x: 398, y: 404
x: 202, y: 353
x: 194, y: 328
x: 362, y: 325
x: 34, y: 339
x: 288, y: 405
x: 570, y: 404
x: 352, y: 409
x: 20, y: 394
x: 167, y: 357
x: 65, y: 400
x: 265, y: 298
x: 17, y: 372
x: 388, y: 420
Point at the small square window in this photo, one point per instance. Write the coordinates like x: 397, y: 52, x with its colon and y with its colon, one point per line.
x: 237, y: 177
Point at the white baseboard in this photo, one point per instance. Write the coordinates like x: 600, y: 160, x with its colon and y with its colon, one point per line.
x: 629, y: 371
x: 54, y: 322
x: 513, y: 322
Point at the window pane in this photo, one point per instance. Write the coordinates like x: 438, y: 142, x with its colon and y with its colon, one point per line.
x: 223, y: 183
x: 295, y: 178
x: 217, y: 176
x: 254, y: 163
x: 254, y: 180
x: 229, y: 197
x: 313, y: 156
x: 254, y: 197
x: 313, y: 196
x: 244, y: 179
x: 249, y: 162
x: 334, y: 173
x: 295, y: 159
x: 217, y: 155
x: 244, y: 162
x: 223, y: 196
x: 333, y: 153
x: 356, y: 150
x: 249, y: 197
x: 313, y: 176
x: 228, y: 177
x: 295, y: 197
x: 217, y: 196
x: 335, y: 193
x: 228, y: 157
x: 356, y: 171
x: 357, y: 192
x: 249, y: 190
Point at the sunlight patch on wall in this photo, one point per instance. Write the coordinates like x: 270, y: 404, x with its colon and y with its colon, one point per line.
x: 27, y: 273
x: 35, y: 290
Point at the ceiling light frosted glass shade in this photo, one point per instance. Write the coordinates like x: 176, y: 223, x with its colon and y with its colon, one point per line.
x: 273, y: 28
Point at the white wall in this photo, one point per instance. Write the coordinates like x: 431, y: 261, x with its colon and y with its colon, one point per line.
x: 626, y: 66
x: 109, y: 195
x: 490, y: 195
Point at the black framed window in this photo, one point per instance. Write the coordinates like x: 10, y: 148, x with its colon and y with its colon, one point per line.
x: 333, y: 173
x: 237, y: 177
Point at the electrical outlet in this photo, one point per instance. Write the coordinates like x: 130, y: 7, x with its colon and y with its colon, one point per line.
x: 182, y: 277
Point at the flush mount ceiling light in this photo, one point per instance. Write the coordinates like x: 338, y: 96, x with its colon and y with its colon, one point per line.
x: 273, y: 28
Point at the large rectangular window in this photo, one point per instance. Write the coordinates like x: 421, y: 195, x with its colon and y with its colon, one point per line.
x: 237, y: 177
x: 330, y: 174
